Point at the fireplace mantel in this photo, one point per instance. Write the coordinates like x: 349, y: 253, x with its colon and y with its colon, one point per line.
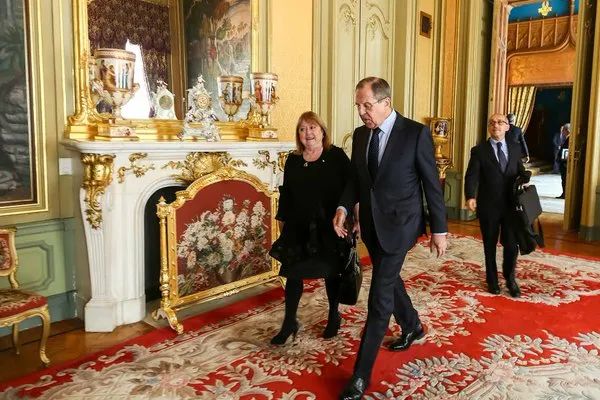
x: 116, y: 180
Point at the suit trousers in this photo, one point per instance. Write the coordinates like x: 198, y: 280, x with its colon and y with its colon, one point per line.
x: 562, y: 166
x: 387, y: 296
x: 504, y: 226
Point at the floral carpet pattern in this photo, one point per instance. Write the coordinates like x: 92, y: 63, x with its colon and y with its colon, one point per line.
x: 543, y: 345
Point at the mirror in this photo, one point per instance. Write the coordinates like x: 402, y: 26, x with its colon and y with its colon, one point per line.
x: 173, y: 41
x: 142, y: 28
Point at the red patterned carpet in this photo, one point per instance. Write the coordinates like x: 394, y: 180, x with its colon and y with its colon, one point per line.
x: 543, y: 345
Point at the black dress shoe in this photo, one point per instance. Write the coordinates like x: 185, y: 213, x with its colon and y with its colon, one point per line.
x: 513, y: 289
x: 355, y: 389
x: 406, y: 339
x: 493, y: 288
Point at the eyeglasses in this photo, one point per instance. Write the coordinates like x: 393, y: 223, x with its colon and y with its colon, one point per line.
x: 496, y: 122
x: 369, y: 106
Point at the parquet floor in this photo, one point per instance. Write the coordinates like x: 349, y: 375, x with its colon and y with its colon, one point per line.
x: 69, y: 341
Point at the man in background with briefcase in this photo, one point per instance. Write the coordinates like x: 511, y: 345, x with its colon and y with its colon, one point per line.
x: 562, y: 156
x: 493, y: 169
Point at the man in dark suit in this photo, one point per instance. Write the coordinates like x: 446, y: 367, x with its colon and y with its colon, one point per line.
x: 515, y: 134
x: 392, y: 165
x: 493, y: 168
x: 562, y: 156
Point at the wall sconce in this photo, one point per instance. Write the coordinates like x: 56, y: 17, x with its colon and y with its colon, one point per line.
x: 545, y: 9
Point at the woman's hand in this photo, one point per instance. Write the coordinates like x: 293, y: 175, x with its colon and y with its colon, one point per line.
x: 338, y: 223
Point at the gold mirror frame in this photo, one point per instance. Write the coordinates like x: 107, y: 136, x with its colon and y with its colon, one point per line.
x: 83, y: 124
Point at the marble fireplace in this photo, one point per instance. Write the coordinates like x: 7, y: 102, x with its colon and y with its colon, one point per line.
x: 116, y: 180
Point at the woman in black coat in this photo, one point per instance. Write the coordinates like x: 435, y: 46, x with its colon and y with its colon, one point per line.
x: 308, y: 248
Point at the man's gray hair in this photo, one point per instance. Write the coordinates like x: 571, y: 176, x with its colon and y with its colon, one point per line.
x: 511, y: 118
x: 567, y: 126
x: 381, y: 89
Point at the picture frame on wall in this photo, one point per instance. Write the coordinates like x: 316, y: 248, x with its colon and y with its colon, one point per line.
x: 22, y: 168
x: 17, y: 172
x: 425, y: 24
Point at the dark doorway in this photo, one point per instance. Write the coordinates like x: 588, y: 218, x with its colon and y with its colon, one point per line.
x: 152, y: 241
x: 552, y: 109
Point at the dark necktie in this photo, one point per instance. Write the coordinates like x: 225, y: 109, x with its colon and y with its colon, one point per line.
x: 501, y: 157
x: 373, y: 155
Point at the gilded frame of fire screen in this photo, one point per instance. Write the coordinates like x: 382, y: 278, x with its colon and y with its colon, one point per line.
x: 214, y: 240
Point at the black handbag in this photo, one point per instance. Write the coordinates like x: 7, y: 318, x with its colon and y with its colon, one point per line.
x: 528, y: 210
x: 351, y: 277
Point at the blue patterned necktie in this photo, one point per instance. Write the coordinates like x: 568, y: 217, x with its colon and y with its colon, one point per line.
x: 501, y: 157
x: 373, y: 155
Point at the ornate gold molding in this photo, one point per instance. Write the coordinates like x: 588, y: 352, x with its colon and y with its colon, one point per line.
x: 263, y: 161
x: 163, y: 210
x: 348, y: 15
x: 97, y: 175
x: 198, y: 164
x: 138, y: 170
x: 377, y: 17
x: 542, y: 35
x: 282, y: 157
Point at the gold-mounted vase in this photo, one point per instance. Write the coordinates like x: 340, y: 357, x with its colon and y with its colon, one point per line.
x: 263, y: 99
x: 230, y: 94
x: 113, y: 81
x: 264, y: 94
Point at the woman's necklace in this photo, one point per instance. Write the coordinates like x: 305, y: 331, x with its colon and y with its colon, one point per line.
x: 311, y: 156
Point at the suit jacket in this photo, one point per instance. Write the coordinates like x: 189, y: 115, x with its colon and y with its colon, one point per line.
x: 485, y: 181
x: 391, y: 206
x: 561, y: 147
x: 515, y: 134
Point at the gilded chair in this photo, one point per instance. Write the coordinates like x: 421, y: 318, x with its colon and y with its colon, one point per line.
x: 18, y: 305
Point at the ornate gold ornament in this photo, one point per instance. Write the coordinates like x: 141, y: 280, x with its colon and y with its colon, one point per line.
x: 263, y: 161
x: 198, y: 164
x: 545, y: 9
x: 97, y: 175
x: 442, y: 165
x: 166, y: 309
x: 138, y: 170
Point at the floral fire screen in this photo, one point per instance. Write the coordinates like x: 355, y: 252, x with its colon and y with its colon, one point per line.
x: 218, y: 233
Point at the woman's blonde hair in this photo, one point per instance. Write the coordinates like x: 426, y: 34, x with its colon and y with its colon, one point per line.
x: 310, y: 116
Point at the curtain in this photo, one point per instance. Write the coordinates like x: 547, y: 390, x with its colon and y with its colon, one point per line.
x: 112, y: 22
x: 520, y: 103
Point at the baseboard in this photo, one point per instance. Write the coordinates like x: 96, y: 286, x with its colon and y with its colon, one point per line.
x: 589, y: 233
x: 460, y: 214
x: 80, y: 305
x: 62, y: 306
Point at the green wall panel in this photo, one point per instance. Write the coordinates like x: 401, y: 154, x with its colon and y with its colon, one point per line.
x: 45, y: 251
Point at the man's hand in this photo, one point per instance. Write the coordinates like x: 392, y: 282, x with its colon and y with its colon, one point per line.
x: 471, y: 204
x: 356, y: 226
x: 526, y: 159
x: 338, y: 223
x: 440, y: 243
